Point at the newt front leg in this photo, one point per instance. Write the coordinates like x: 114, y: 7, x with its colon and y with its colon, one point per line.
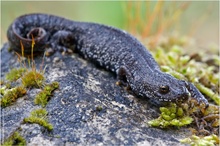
x: 195, y: 93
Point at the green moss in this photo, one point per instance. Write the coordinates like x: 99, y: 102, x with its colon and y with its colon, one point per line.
x: 15, y: 139
x: 99, y: 108
x: 39, y: 116
x: 2, y: 82
x: 15, y: 74
x: 4, y: 87
x: 209, y: 92
x: 8, y: 85
x: 43, y: 97
x: 171, y: 116
x: 211, y: 110
x: 173, y: 72
x: 194, y: 140
x: 33, y: 78
x: 2, y: 90
x: 11, y: 95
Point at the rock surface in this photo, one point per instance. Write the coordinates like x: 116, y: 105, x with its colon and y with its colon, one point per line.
x: 87, y: 109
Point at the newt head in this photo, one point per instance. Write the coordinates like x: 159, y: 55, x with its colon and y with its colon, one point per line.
x: 164, y: 87
x: 161, y: 87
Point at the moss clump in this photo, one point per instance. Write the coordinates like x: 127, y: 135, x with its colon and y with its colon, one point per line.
x: 3, y: 89
x: 15, y: 139
x: 209, y: 92
x: 11, y: 95
x: 33, y: 79
x: 171, y: 116
x: 99, y: 108
x: 43, y: 97
x: 15, y: 74
x: 194, y: 140
x: 39, y: 116
x: 2, y: 82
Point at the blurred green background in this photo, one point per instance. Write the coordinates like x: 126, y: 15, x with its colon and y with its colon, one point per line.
x: 115, y: 13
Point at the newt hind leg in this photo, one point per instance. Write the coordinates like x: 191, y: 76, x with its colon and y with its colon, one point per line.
x: 122, y: 75
x: 62, y: 41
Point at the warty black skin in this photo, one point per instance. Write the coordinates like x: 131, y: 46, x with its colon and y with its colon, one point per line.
x: 109, y: 47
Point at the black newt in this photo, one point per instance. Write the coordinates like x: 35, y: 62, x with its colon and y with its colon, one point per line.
x: 109, y: 47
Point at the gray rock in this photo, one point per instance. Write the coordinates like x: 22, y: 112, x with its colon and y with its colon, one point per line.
x: 87, y: 109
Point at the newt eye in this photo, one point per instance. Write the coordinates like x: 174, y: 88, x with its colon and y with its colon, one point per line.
x: 164, y: 89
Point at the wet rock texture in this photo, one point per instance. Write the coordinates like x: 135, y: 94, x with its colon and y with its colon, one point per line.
x: 87, y: 109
